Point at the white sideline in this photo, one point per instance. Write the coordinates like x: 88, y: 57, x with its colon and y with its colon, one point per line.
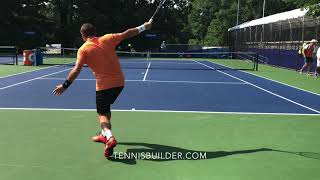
x: 272, y: 80
x: 16, y: 84
x: 27, y: 71
x: 258, y: 87
x: 282, y: 83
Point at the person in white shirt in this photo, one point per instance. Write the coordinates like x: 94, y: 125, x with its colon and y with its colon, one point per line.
x: 317, y: 73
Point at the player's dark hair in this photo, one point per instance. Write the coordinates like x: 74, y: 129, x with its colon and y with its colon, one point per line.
x: 88, y: 30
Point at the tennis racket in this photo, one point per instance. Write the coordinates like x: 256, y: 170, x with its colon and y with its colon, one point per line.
x: 158, y: 8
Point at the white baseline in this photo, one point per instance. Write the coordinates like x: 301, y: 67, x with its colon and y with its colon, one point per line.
x: 162, y: 111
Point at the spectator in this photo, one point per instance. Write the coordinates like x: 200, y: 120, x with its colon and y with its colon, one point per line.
x: 308, y: 55
x: 163, y: 46
x: 317, y: 73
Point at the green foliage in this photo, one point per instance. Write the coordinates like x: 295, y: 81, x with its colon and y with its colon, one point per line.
x: 314, y: 9
x: 200, y: 17
x: 312, y: 5
x: 179, y: 21
x: 212, y: 29
x: 59, y: 21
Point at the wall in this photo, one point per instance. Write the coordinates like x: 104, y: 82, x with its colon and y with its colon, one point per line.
x: 283, y: 58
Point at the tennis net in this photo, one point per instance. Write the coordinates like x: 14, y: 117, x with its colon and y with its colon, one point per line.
x: 156, y: 60
x: 8, y: 55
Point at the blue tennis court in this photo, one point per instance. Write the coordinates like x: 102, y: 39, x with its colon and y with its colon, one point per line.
x: 177, y: 86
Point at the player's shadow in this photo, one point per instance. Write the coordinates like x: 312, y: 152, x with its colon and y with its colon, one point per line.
x: 163, y: 153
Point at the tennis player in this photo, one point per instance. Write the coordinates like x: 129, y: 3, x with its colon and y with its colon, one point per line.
x: 100, y: 55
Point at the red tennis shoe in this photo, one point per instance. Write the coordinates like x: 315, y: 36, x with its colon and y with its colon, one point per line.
x: 99, y: 138
x: 108, y: 149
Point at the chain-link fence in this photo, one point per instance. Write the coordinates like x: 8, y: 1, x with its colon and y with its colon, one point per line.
x: 277, y: 38
x: 283, y: 35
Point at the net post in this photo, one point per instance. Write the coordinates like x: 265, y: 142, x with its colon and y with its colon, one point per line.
x: 16, y: 56
x: 256, y: 62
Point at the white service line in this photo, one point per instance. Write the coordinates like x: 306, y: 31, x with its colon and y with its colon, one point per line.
x: 196, y: 82
x: 258, y: 87
x: 146, y: 73
x: 16, y: 84
x: 158, y: 81
x: 161, y: 111
x: 80, y: 79
x: 83, y: 79
x: 156, y: 62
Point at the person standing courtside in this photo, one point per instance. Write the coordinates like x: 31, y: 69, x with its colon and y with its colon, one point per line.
x: 308, y: 50
x: 317, y: 73
x: 100, y: 55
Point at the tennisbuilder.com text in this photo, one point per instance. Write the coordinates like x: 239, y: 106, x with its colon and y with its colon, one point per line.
x: 161, y: 155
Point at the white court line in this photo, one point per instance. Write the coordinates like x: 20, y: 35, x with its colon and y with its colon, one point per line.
x: 146, y: 73
x: 282, y: 83
x: 19, y: 165
x: 258, y: 87
x: 271, y: 80
x: 16, y: 84
x: 162, y: 111
x: 155, y: 62
x: 158, y: 81
x: 80, y: 79
x: 28, y: 71
x: 196, y: 82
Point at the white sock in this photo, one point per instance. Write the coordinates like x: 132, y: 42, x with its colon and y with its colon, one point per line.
x: 106, y: 133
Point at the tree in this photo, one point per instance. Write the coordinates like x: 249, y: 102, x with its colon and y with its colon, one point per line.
x: 217, y: 34
x: 312, y: 5
x: 212, y: 27
x: 202, y: 12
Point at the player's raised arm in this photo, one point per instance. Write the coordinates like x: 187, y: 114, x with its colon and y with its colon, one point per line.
x: 136, y: 31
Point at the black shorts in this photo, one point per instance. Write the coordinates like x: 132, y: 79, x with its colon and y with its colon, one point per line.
x: 308, y: 59
x: 318, y: 70
x: 105, y: 98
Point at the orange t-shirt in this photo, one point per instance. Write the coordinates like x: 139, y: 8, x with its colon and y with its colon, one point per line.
x: 100, y: 55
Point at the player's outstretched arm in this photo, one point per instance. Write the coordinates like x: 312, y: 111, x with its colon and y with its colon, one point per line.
x: 71, y: 77
x: 136, y: 31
